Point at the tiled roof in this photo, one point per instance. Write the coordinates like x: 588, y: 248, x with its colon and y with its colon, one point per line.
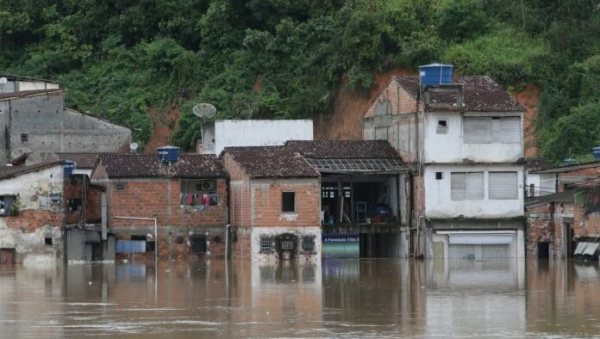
x: 7, y: 172
x: 480, y: 94
x: 588, y: 183
x: 82, y: 160
x: 272, y: 162
x: 190, y: 166
x: 344, y: 149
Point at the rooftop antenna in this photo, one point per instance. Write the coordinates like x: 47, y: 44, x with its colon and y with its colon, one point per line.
x: 204, y: 110
x: 133, y: 147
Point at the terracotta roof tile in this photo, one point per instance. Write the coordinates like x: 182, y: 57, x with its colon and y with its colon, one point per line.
x: 189, y: 166
x: 344, y: 149
x: 272, y: 162
x: 480, y: 94
x: 82, y: 160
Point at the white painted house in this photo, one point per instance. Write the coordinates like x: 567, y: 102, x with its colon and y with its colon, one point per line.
x: 219, y: 134
x: 464, y: 140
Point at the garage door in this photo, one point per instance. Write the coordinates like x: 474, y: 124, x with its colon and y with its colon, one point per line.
x: 478, y: 252
x: 480, y: 246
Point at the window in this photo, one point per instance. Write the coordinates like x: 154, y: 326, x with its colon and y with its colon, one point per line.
x: 75, y: 204
x: 485, y: 130
x: 8, y: 205
x: 266, y: 244
x: 442, y: 127
x: 48, y: 241
x: 288, y: 202
x: 466, y: 185
x: 120, y: 187
x: 503, y: 185
x: 439, y: 175
x: 308, y: 243
x: 198, y: 192
x: 150, y: 245
x: 24, y: 138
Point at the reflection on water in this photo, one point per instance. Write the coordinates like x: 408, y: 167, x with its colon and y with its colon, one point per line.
x: 336, y: 298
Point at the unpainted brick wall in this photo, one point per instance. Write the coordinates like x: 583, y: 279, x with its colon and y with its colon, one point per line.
x: 401, y: 102
x: 30, y: 220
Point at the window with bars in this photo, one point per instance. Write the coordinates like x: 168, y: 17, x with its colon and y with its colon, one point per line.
x: 308, y: 243
x: 466, y: 185
x: 266, y: 244
x: 442, y: 127
x: 486, y: 130
x: 503, y: 185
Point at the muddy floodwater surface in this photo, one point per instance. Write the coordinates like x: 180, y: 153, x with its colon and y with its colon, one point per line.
x: 368, y: 298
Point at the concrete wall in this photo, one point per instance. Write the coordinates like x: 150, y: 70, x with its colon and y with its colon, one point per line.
x: 255, y: 133
x: 437, y: 242
x: 438, y: 203
x: 451, y: 148
x: 49, y: 126
x: 26, y: 85
x: 39, y: 216
x: 403, y: 131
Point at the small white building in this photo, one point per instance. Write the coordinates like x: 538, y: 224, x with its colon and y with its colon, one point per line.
x: 219, y: 134
x: 464, y: 140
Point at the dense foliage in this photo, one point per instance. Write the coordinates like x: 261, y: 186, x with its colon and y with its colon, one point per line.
x: 287, y: 58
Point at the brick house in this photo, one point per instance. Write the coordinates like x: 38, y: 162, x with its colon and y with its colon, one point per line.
x: 559, y: 218
x: 186, y: 198
x: 274, y: 203
x: 31, y: 213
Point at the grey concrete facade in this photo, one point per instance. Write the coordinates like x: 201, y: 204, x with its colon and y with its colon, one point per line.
x: 41, y: 122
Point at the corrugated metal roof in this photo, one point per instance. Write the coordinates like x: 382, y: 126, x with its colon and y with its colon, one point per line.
x: 23, y: 94
x: 566, y: 196
x: 568, y: 168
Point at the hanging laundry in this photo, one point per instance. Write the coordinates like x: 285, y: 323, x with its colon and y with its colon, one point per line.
x: 205, y: 199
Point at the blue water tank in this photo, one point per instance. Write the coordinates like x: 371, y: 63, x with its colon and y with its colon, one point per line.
x: 435, y: 74
x: 596, y: 152
x: 69, y: 167
x: 168, y: 153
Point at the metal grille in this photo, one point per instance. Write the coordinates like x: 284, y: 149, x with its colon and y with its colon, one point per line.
x: 198, y: 244
x: 308, y: 243
x: 266, y: 244
x: 478, y: 252
x: 357, y: 165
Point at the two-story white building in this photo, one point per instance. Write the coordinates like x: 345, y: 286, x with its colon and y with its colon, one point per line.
x: 464, y: 139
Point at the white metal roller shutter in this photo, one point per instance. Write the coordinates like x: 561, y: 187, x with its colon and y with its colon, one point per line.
x: 477, y: 130
x: 458, y: 186
x: 510, y: 129
x: 475, y: 186
x: 478, y: 252
x: 503, y: 185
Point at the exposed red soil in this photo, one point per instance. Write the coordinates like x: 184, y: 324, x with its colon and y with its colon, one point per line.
x: 164, y: 125
x: 345, y: 122
x: 528, y: 97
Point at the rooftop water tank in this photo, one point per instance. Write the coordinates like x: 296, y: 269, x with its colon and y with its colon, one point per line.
x: 435, y: 74
x: 168, y: 153
x: 69, y: 167
x: 596, y: 152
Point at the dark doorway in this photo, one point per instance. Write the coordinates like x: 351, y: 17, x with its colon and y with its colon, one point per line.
x: 198, y: 244
x: 543, y: 250
x: 570, y: 244
x: 7, y: 256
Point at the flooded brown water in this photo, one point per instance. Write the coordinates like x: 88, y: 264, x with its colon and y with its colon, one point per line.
x: 335, y: 299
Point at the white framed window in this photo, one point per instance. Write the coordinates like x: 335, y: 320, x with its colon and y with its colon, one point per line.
x: 466, y: 186
x: 485, y: 130
x: 503, y: 185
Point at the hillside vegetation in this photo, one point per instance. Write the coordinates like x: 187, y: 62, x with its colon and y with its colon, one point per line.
x: 287, y: 58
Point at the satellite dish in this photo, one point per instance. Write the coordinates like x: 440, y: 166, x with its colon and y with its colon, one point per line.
x: 3, y: 80
x: 204, y: 110
x: 133, y: 147
x: 39, y: 157
x: 17, y: 152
